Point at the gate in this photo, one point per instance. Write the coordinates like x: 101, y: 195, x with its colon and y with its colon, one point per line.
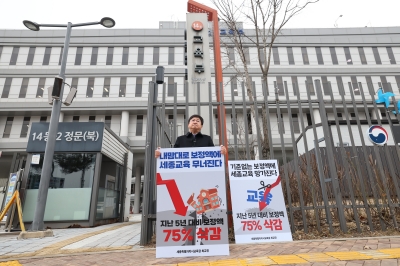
x: 334, y: 179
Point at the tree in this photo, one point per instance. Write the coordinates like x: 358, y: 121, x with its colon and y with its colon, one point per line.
x: 75, y: 162
x: 267, y: 17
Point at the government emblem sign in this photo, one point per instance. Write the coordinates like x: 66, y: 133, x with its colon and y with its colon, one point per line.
x: 378, y: 135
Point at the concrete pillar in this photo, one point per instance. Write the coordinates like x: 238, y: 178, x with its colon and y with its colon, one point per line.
x: 124, y: 124
x: 61, y: 119
x: 138, y: 178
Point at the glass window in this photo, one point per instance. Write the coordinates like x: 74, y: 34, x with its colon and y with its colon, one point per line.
x: 340, y: 85
x: 14, y: 56
x: 90, y: 88
x: 43, y: 119
x: 281, y: 125
x: 333, y: 55
x: 171, y: 86
x: 262, y: 56
x: 140, y: 58
x: 25, y: 127
x: 376, y: 55
x: 231, y: 55
x: 295, y: 85
x: 290, y: 55
x: 354, y: 84
x: 1, y: 51
x: 138, y: 89
x: 122, y: 87
x: 139, y: 125
x: 24, y: 88
x: 171, y: 55
x: 6, y: 88
x: 279, y: 86
x: 93, y: 58
x: 250, y: 125
x: 75, y: 118
x: 125, y: 56
x: 305, y: 55
x: 234, y: 86
x: 347, y: 54
x: 78, y: 56
x: 92, y: 118
x: 310, y: 85
x: 397, y: 77
x: 7, y: 128
x: 319, y: 55
x: 325, y: 85
x: 61, y: 53
x: 370, y: 85
x: 156, y: 55
x: 110, y: 55
x: 389, y: 51
x: 296, y: 124
x: 74, y: 83
x: 106, y: 87
x: 46, y: 58
x: 386, y: 85
x: 362, y: 55
x: 107, y: 120
x: 247, y: 55
x: 275, y: 53
x: 70, y: 187
x: 31, y: 55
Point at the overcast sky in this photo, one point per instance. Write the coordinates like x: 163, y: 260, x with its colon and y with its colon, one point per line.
x: 147, y: 13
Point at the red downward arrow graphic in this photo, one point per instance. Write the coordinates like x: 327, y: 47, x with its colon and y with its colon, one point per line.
x: 263, y: 203
x: 175, y: 195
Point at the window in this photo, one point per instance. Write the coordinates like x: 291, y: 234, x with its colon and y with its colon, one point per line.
x: 234, y: 86
x: 156, y: 55
x: 275, y: 53
x: 281, y: 125
x: 278, y: 84
x: 376, y: 55
x: 319, y: 56
x: 107, y: 121
x: 138, y: 89
x: 231, y: 55
x: 340, y: 116
x: 247, y: 55
x: 295, y: 85
x: 325, y: 85
x: 90, y: 88
x: 388, y: 49
x: 14, y: 56
x: 93, y: 58
x: 348, y: 56
x: 333, y: 55
x: 354, y: 84
x: 139, y: 125
x: 75, y: 118
x: 171, y: 86
x: 31, y: 55
x: 140, y: 58
x: 43, y: 119
x: 290, y: 55
x: 24, y: 88
x: 92, y: 118
x: 362, y: 55
x: 61, y: 53
x: 106, y: 87
x: 46, y: 58
x: 171, y: 55
x: 310, y: 85
x: 397, y: 77
x: 250, y: 125
x: 7, y: 129
x: 74, y: 83
x: 309, y: 121
x: 122, y: 87
x: 25, y: 127
x: 6, y: 88
x: 110, y: 55
x: 262, y: 56
x: 1, y: 50
x: 386, y: 85
x: 305, y: 55
x: 78, y: 56
x: 296, y: 124
x: 125, y: 56
x: 340, y: 85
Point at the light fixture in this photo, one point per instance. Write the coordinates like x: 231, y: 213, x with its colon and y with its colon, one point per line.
x: 31, y: 25
x: 39, y: 96
x: 348, y: 61
x: 42, y: 89
x: 107, y: 22
x: 106, y: 89
x: 356, y: 89
x: 91, y: 88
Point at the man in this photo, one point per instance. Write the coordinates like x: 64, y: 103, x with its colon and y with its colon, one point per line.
x: 194, y: 138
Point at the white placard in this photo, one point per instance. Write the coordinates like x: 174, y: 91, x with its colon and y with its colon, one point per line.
x: 191, y: 203
x: 35, y: 159
x: 258, y: 205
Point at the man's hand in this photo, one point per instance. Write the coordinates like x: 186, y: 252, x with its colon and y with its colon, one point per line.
x: 158, y: 153
x: 224, y: 151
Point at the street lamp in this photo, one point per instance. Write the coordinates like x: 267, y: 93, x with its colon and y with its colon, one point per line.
x: 107, y: 22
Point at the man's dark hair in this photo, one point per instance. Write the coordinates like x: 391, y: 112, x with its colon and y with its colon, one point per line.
x: 198, y: 116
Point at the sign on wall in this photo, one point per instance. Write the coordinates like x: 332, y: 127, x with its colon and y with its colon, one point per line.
x: 378, y: 135
x: 258, y: 206
x: 192, y: 207
x: 71, y: 137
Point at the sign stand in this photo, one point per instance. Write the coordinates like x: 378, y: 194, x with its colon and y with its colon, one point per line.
x: 14, y: 199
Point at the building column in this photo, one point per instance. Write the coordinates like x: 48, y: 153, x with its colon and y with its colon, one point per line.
x: 61, y: 119
x: 138, y: 179
x: 124, y: 124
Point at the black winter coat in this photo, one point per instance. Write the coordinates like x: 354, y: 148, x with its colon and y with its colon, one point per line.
x: 189, y: 140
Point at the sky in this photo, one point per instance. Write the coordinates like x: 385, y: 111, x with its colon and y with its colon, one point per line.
x: 147, y: 13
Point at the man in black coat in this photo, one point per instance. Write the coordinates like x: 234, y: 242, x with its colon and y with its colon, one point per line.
x: 194, y: 138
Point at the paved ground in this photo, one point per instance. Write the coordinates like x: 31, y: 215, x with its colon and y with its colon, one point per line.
x: 118, y: 244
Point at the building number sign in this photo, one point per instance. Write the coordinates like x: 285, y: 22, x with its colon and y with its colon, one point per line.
x: 197, y: 26
x: 68, y: 136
